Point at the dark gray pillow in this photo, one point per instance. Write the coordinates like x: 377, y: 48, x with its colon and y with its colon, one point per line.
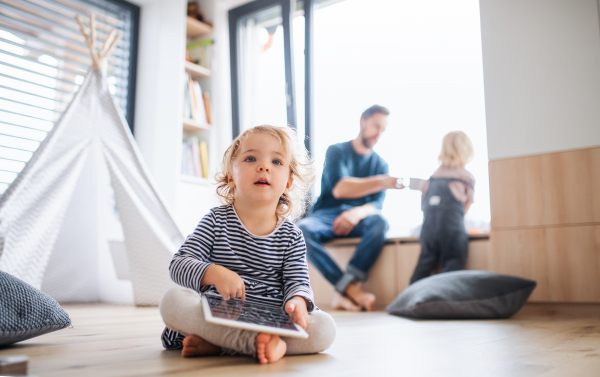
x: 463, y: 295
x: 26, y: 312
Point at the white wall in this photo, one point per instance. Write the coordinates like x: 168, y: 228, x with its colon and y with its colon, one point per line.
x: 541, y: 65
x: 158, y: 115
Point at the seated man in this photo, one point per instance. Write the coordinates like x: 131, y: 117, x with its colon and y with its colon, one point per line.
x: 352, y: 191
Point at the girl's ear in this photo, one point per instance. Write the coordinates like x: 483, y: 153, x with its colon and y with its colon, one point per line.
x: 288, y: 185
x: 230, y: 182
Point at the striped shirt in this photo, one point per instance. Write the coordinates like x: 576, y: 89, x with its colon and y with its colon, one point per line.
x: 273, y: 267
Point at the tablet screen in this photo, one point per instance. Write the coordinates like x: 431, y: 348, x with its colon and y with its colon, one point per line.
x: 249, y: 312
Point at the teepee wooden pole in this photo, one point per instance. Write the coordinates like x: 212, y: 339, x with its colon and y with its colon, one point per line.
x: 95, y: 60
x: 107, y: 43
x: 93, y: 31
x: 112, y: 46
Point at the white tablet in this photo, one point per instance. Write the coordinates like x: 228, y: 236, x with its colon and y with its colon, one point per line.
x: 250, y: 316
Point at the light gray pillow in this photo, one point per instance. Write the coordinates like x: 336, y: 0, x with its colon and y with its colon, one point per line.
x: 26, y: 312
x: 463, y: 295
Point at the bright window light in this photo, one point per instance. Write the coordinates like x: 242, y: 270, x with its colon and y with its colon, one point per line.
x: 422, y: 60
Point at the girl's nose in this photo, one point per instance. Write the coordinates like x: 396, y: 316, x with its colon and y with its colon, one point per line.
x: 264, y: 168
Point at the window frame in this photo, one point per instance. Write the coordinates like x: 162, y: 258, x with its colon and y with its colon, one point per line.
x: 287, y: 9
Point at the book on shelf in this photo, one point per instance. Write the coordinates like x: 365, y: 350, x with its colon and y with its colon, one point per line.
x: 194, y: 158
x: 196, y: 102
x: 199, y: 52
x: 204, y: 157
x: 207, y: 106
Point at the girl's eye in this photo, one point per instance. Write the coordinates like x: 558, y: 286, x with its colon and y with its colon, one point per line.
x: 277, y: 162
x: 250, y: 159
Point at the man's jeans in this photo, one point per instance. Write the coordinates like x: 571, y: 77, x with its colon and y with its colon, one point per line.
x: 318, y: 229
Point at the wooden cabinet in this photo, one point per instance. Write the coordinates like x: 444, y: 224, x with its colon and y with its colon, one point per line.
x: 551, y: 189
x: 522, y: 253
x: 516, y: 192
x: 545, y: 223
x: 573, y: 263
x: 391, y: 273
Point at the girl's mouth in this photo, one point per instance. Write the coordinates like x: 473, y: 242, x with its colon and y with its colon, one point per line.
x: 262, y: 182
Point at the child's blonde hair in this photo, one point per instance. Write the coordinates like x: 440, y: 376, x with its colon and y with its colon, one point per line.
x: 457, y: 150
x: 293, y: 203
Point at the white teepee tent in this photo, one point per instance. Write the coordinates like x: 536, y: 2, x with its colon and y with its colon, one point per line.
x: 53, y: 216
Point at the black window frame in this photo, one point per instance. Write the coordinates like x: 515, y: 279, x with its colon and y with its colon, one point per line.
x: 288, y: 7
x: 133, y: 53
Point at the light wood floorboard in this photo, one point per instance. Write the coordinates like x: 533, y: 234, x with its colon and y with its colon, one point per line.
x: 542, y: 340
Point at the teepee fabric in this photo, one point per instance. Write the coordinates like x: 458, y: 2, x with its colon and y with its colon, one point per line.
x: 52, y: 231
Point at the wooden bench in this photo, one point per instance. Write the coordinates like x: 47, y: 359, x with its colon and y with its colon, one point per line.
x: 394, y: 267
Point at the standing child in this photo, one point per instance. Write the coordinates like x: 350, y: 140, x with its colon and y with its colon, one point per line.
x: 249, y: 249
x: 447, y: 196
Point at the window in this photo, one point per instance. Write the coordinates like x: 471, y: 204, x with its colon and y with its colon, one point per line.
x: 44, y: 59
x: 421, y: 59
x: 262, y: 63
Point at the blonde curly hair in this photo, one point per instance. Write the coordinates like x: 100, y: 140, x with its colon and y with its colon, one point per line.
x: 294, y: 202
x: 457, y: 150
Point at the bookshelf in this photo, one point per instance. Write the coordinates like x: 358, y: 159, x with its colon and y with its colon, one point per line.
x: 191, y: 126
x: 196, y: 71
x: 196, y: 127
x: 195, y: 28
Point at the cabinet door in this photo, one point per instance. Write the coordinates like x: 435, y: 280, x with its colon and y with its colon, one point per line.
x: 522, y: 253
x: 406, y: 262
x: 479, y: 255
x: 574, y: 263
x: 515, y: 192
x: 571, y: 187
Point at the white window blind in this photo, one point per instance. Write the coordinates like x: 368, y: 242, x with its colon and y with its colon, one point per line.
x: 44, y: 59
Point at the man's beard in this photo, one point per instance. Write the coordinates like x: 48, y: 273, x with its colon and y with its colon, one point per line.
x: 365, y: 142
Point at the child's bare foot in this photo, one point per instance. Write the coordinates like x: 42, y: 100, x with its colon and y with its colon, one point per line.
x: 363, y: 299
x: 193, y: 345
x: 269, y: 348
x: 340, y: 302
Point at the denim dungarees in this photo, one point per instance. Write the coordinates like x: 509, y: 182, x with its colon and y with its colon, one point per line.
x: 443, y: 236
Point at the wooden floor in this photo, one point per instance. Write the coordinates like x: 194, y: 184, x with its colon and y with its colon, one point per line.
x: 542, y: 340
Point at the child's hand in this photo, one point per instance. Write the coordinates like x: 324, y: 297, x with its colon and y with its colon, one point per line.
x: 296, y: 309
x: 227, y: 283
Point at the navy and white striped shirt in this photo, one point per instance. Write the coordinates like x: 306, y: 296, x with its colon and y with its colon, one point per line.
x: 273, y: 267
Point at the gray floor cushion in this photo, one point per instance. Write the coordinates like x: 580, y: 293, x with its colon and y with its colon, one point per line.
x: 26, y: 312
x: 463, y: 295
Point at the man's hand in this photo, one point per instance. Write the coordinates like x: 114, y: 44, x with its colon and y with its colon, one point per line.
x: 393, y: 183
x: 227, y: 283
x: 296, y: 309
x: 346, y: 221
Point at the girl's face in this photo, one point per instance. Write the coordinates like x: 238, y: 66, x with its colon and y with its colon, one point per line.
x: 261, y: 170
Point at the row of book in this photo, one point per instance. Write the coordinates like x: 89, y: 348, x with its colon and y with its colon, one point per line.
x: 194, y: 157
x: 196, y: 103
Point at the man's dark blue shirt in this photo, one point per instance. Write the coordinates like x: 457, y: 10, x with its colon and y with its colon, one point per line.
x: 341, y: 161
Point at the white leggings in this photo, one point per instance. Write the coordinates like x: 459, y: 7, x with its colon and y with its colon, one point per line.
x: 181, y: 310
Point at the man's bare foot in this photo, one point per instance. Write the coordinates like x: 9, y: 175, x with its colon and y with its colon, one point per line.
x: 340, y: 302
x: 193, y: 345
x: 269, y: 348
x: 363, y: 299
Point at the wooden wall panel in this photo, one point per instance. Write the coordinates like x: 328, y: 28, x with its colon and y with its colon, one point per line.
x: 550, y: 189
x: 522, y: 253
x: 408, y: 255
x: 515, y: 187
x: 479, y: 255
x: 568, y: 191
x: 322, y: 290
x: 382, y: 277
x: 391, y: 273
x: 574, y: 263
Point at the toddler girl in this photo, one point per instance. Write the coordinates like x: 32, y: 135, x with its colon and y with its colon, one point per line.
x: 249, y: 249
x: 447, y: 196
